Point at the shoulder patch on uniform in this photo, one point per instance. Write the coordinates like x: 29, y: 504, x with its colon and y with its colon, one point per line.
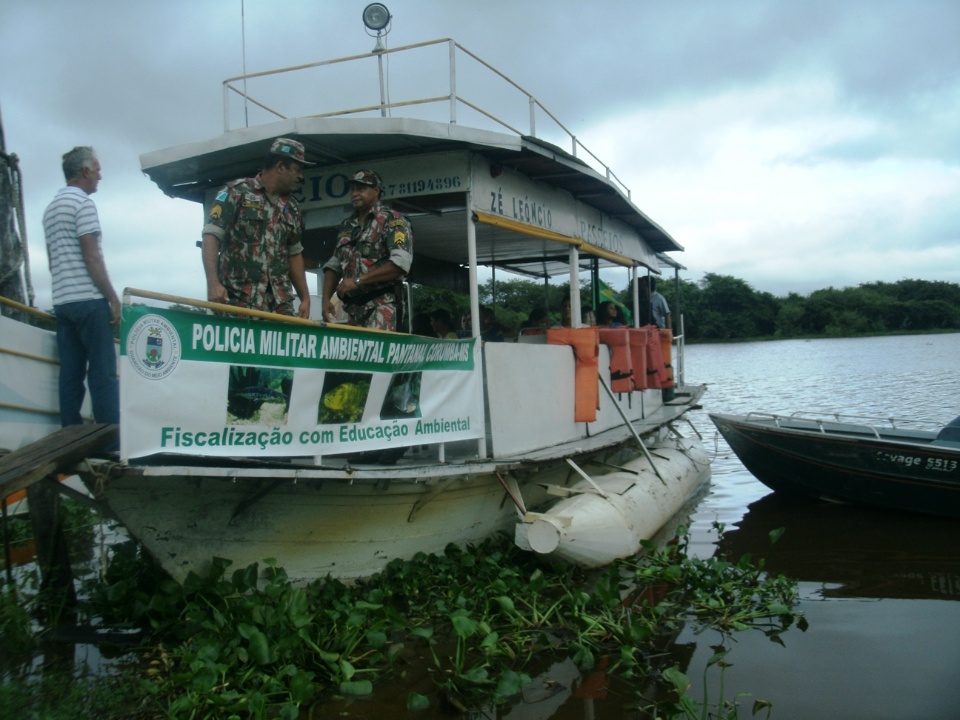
x: 222, y: 196
x: 216, y: 212
x: 399, y: 238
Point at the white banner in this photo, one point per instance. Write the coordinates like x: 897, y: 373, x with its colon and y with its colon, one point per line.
x: 198, y: 384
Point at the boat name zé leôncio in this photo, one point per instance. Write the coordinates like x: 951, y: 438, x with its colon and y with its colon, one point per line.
x: 285, y: 343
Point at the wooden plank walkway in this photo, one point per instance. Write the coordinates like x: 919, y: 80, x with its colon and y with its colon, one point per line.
x: 54, y: 453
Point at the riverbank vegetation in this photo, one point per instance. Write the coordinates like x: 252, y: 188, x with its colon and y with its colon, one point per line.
x: 721, y: 308
x: 469, y: 629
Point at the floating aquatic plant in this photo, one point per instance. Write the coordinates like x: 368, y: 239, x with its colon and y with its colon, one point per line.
x: 249, y: 644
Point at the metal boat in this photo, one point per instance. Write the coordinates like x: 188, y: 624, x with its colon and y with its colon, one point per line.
x: 867, y: 461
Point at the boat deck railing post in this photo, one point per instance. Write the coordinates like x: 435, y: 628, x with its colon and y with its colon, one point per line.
x: 453, y: 82
x: 238, y: 85
x: 632, y: 429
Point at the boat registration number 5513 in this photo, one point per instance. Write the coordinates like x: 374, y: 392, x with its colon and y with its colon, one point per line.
x: 933, y: 464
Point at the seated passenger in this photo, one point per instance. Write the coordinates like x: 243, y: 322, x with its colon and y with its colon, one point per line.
x: 490, y: 329
x: 422, y: 325
x: 566, y: 315
x: 442, y: 324
x: 536, y: 323
x: 609, y: 315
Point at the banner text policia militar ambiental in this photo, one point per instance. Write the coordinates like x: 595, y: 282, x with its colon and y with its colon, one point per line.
x: 202, y: 384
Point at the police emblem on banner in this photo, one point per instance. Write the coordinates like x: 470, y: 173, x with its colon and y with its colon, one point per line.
x: 154, y: 354
x: 153, y: 347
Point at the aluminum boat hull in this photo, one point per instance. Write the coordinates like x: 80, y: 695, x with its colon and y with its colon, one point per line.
x: 848, y: 462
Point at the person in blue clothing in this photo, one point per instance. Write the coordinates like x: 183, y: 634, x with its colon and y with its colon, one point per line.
x: 84, y: 301
x: 490, y: 330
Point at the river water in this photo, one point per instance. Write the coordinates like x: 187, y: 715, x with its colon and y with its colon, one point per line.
x: 880, y: 589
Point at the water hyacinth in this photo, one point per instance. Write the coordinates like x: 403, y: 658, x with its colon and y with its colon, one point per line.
x: 246, y: 643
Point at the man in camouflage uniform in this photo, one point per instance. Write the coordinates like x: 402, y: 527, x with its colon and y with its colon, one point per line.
x: 251, y: 241
x: 373, y: 254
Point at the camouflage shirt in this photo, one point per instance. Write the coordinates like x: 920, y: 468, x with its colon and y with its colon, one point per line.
x: 257, y: 236
x: 385, y: 235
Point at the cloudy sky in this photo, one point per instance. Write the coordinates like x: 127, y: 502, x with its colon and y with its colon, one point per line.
x: 796, y: 145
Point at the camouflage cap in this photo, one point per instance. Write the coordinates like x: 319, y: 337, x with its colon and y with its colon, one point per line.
x: 285, y: 147
x: 367, y: 177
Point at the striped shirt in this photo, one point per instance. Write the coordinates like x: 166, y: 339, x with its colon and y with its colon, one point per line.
x: 71, y: 215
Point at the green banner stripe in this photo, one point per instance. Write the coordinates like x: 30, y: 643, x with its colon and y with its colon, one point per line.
x: 211, y: 338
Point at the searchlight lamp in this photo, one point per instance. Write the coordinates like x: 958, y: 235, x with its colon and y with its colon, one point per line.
x: 377, y: 18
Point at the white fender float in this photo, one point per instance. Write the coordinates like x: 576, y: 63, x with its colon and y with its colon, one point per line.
x: 607, y: 519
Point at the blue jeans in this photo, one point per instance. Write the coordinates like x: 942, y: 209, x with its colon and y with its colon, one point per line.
x: 85, y: 340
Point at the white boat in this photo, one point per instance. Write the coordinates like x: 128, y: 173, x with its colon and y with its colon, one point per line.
x: 247, y: 439
x: 29, y: 406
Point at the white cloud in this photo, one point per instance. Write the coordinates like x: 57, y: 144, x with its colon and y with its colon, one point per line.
x: 742, y: 179
x: 793, y: 145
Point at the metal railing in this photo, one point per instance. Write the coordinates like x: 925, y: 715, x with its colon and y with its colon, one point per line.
x: 827, y: 421
x: 452, y: 98
x: 16, y: 306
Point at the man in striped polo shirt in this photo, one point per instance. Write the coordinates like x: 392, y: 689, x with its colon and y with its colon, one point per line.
x: 84, y: 301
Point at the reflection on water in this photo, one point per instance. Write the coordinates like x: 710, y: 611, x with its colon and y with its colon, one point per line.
x: 852, y: 551
x: 882, y: 642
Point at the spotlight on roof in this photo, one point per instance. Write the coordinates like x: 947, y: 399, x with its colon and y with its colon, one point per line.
x: 377, y: 18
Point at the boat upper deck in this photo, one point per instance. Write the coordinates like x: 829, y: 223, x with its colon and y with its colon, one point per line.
x: 529, y: 200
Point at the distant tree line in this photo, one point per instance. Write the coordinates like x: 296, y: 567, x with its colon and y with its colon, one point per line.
x: 724, y: 308
x: 721, y: 307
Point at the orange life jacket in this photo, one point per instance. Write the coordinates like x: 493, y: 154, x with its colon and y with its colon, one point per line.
x: 621, y: 367
x: 586, y: 349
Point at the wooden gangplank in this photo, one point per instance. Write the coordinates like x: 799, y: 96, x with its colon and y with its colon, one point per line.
x: 57, y: 452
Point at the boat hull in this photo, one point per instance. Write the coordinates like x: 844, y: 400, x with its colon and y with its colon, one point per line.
x: 29, y: 378
x: 349, y: 528
x: 903, y: 471
x: 312, y: 529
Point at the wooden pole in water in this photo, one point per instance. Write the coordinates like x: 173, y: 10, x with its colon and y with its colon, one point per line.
x: 56, y: 575
x: 35, y: 467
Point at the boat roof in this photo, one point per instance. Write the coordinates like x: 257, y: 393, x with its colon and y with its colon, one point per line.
x: 193, y: 170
